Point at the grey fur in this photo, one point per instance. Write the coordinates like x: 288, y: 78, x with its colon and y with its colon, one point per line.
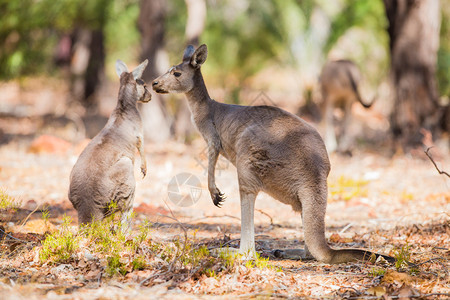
x: 274, y: 151
x: 104, y: 172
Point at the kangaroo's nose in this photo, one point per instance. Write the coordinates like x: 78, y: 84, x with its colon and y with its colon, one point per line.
x: 155, y: 83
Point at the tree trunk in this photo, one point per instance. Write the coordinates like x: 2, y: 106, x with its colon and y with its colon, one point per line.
x: 156, y: 121
x: 195, y: 24
x: 414, y: 41
x: 86, y: 68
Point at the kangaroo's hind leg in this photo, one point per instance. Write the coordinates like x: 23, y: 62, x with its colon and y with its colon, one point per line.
x: 122, y: 177
x: 298, y: 253
x: 247, y: 245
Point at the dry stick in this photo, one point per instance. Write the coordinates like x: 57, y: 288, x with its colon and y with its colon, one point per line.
x: 398, y: 297
x: 434, y: 163
x: 8, y: 235
x: 176, y: 257
x: 266, y: 214
x: 211, y: 217
x: 438, y: 259
x: 29, y: 215
x: 152, y: 276
x: 263, y: 295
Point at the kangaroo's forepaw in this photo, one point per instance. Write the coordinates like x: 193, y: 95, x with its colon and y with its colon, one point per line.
x: 218, y: 198
x: 143, y: 171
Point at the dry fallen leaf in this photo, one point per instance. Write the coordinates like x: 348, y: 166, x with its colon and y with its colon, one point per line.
x: 377, y: 291
x: 336, y: 238
x: 392, y: 276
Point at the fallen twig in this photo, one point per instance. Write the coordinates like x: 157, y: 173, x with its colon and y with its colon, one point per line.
x: 438, y: 259
x: 266, y: 214
x: 263, y: 295
x: 177, y: 256
x: 8, y: 235
x: 434, y: 163
x: 29, y: 215
x: 399, y: 296
x: 211, y: 217
x: 152, y: 276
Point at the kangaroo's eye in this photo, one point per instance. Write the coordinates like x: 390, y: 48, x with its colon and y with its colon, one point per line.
x: 140, y: 81
x: 176, y: 74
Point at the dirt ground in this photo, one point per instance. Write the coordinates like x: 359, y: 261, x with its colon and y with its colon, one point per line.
x: 376, y: 202
x: 392, y: 204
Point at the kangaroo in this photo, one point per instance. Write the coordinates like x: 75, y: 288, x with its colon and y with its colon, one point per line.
x: 104, y: 172
x: 273, y: 151
x: 339, y: 82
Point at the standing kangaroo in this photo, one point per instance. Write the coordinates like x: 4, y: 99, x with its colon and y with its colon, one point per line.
x: 104, y: 172
x: 339, y: 82
x: 274, y: 151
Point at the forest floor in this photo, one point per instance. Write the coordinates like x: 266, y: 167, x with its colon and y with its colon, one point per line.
x: 392, y: 205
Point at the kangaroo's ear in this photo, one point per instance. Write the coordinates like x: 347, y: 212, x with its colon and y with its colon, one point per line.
x: 121, y: 67
x: 137, y: 72
x: 188, y: 53
x: 199, y: 56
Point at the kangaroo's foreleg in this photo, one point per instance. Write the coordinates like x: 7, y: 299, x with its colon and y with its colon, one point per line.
x: 140, y: 147
x: 216, y: 195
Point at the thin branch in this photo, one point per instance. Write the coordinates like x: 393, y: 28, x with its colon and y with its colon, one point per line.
x: 421, y: 296
x: 434, y: 163
x: 262, y: 295
x: 435, y: 259
x: 10, y: 236
x: 152, y: 276
x: 266, y: 214
x: 29, y: 215
x: 212, y: 217
x: 177, y: 256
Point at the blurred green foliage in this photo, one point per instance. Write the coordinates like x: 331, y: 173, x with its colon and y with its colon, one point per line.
x: 243, y: 36
x: 366, y: 14
x: 29, y: 30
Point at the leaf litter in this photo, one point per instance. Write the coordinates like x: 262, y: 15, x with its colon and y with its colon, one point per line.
x: 374, y: 204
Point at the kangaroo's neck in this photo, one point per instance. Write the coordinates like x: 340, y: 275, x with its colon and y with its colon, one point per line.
x: 200, y: 104
x: 126, y: 103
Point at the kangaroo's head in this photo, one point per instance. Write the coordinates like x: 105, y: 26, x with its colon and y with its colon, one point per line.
x: 181, y: 78
x: 131, y: 83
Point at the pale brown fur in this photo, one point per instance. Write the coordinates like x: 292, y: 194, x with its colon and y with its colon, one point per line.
x: 274, y: 151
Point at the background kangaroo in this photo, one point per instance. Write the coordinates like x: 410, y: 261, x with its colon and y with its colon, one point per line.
x: 339, y: 82
x: 104, y: 172
x: 274, y: 151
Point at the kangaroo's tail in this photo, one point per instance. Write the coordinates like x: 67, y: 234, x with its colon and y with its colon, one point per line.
x: 356, y: 91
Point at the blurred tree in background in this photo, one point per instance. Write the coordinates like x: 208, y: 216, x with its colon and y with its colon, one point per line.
x: 69, y: 32
x: 79, y: 40
x: 414, y: 43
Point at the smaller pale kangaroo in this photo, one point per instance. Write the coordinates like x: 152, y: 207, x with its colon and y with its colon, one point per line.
x: 273, y: 151
x: 339, y: 82
x: 104, y: 172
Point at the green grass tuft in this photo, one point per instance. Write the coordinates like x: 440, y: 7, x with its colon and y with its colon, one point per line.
x: 8, y: 202
x: 59, y: 246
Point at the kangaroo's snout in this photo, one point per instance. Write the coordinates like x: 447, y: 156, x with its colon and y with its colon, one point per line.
x: 146, y: 97
x: 157, y: 87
